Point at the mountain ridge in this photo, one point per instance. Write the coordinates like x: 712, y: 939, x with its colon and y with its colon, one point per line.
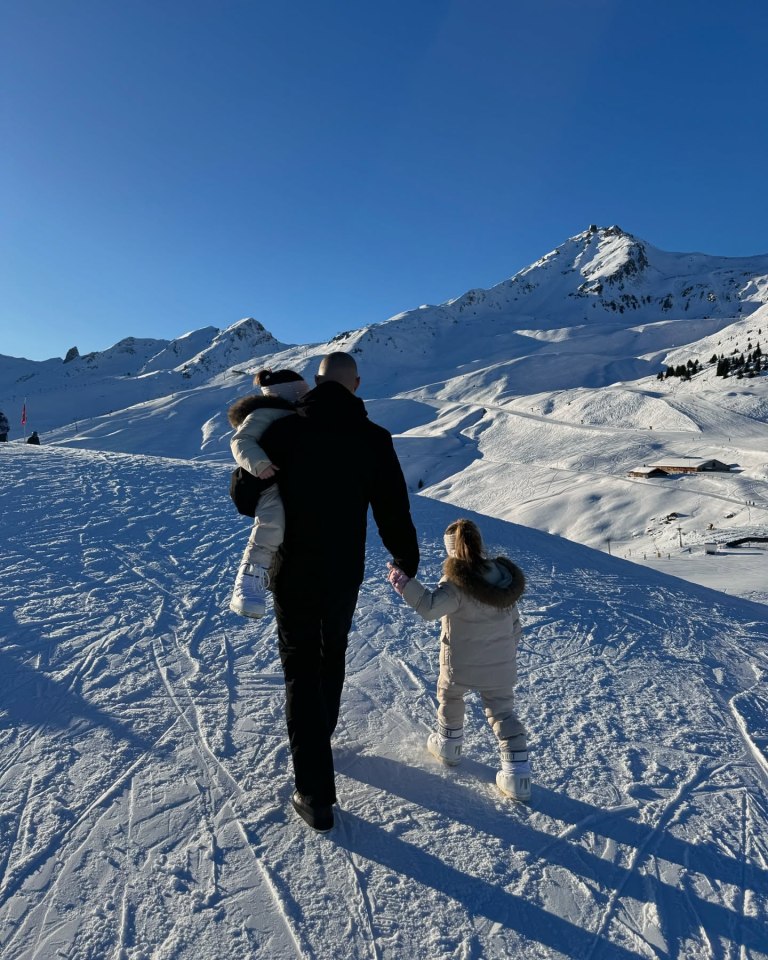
x: 532, y: 417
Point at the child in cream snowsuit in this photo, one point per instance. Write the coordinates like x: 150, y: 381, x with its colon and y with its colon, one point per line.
x: 477, y: 601
x: 251, y: 416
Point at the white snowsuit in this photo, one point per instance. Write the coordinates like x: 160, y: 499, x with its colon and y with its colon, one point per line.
x: 269, y: 522
x: 478, y: 644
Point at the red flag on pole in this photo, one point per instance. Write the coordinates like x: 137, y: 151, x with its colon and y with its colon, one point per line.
x: 24, y: 415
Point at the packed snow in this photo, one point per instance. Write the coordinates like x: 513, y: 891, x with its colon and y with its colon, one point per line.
x: 144, y: 766
x: 145, y: 770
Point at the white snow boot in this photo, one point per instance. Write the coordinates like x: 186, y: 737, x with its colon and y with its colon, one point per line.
x: 249, y: 597
x: 514, y: 778
x: 446, y: 745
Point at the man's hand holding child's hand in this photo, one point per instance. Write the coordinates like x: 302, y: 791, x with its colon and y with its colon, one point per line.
x: 397, y: 578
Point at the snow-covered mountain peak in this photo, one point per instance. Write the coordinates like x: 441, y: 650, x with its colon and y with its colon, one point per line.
x: 605, y: 307
x: 181, y: 349
x: 132, y: 371
x: 611, y: 256
x: 237, y: 344
x: 605, y: 270
x: 589, y: 250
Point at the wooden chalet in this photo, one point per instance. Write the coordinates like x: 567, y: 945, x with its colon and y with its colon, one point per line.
x: 672, y: 466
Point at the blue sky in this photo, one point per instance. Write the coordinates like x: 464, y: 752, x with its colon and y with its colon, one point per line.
x: 174, y: 164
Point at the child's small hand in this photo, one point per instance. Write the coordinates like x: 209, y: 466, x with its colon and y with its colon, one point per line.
x: 397, y: 578
x: 268, y: 472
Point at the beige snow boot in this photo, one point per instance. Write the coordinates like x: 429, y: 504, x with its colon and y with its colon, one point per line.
x: 446, y: 745
x: 514, y: 778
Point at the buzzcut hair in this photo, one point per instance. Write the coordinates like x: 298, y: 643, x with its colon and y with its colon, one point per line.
x: 339, y: 367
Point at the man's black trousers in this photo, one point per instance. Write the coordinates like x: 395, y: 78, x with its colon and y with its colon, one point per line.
x: 312, y: 627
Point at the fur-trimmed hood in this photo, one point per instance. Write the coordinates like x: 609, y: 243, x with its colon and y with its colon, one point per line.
x: 500, y: 584
x: 241, y: 408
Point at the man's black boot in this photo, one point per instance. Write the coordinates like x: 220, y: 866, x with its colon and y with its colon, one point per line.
x: 319, y: 817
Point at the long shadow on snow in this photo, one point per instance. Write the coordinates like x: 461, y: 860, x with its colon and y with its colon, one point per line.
x: 420, y: 788
x: 477, y: 895
x: 30, y: 697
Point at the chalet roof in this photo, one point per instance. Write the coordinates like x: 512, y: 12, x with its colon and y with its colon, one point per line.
x: 687, y: 462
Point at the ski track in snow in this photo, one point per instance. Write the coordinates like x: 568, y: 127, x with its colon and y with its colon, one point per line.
x: 144, y: 767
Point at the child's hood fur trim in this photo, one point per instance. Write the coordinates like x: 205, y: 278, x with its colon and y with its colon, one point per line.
x: 241, y: 408
x: 474, y: 583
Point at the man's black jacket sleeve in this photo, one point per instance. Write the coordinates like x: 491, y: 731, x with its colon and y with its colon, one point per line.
x: 392, y: 509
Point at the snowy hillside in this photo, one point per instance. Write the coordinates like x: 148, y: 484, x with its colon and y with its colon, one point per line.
x: 601, y: 308
x: 144, y: 765
x: 531, y: 401
x: 69, y: 391
x: 599, y: 283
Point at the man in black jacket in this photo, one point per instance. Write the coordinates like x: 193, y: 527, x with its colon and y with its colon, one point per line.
x: 333, y: 462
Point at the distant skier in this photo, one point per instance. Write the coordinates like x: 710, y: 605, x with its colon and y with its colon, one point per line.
x: 4, y: 427
x: 251, y: 416
x: 34, y: 438
x: 477, y: 601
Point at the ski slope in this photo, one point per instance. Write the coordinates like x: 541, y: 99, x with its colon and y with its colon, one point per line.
x: 144, y: 767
